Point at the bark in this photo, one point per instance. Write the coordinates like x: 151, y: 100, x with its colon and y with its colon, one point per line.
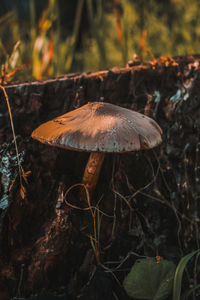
x: 42, y: 236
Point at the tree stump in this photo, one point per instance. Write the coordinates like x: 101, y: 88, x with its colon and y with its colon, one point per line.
x: 45, y: 242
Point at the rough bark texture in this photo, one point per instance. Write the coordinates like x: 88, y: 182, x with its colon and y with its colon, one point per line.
x: 45, y: 242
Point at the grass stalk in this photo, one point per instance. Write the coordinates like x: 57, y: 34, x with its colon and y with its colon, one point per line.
x: 95, y: 25
x: 94, y: 240
x: 179, y: 274
x: 57, y: 41
x: 32, y: 23
x: 74, y: 37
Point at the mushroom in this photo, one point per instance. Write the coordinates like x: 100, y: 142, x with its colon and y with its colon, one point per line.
x: 99, y: 127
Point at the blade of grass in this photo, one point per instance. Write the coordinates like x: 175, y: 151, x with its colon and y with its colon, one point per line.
x: 57, y: 40
x: 99, y: 11
x: 96, y: 29
x: 15, y: 28
x: 74, y: 35
x: 95, y: 238
x: 99, y: 217
x: 179, y: 274
x: 32, y: 22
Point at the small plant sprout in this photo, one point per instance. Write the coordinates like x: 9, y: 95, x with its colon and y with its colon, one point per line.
x: 98, y: 128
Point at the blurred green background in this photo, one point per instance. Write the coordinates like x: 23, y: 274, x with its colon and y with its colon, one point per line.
x: 61, y: 36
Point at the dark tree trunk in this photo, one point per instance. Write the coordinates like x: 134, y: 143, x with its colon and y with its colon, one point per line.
x: 45, y: 243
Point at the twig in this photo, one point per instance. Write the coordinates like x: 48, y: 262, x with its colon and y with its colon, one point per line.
x: 82, y: 208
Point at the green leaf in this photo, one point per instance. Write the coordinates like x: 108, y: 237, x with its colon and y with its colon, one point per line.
x: 179, y: 274
x: 149, y: 279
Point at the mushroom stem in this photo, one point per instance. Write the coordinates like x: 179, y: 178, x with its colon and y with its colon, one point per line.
x: 92, y: 170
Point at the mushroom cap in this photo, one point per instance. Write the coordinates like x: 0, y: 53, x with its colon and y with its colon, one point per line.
x: 100, y: 126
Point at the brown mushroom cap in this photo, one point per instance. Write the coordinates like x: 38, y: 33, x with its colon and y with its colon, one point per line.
x: 100, y: 126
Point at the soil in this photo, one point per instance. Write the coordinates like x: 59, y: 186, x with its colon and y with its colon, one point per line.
x: 148, y: 202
